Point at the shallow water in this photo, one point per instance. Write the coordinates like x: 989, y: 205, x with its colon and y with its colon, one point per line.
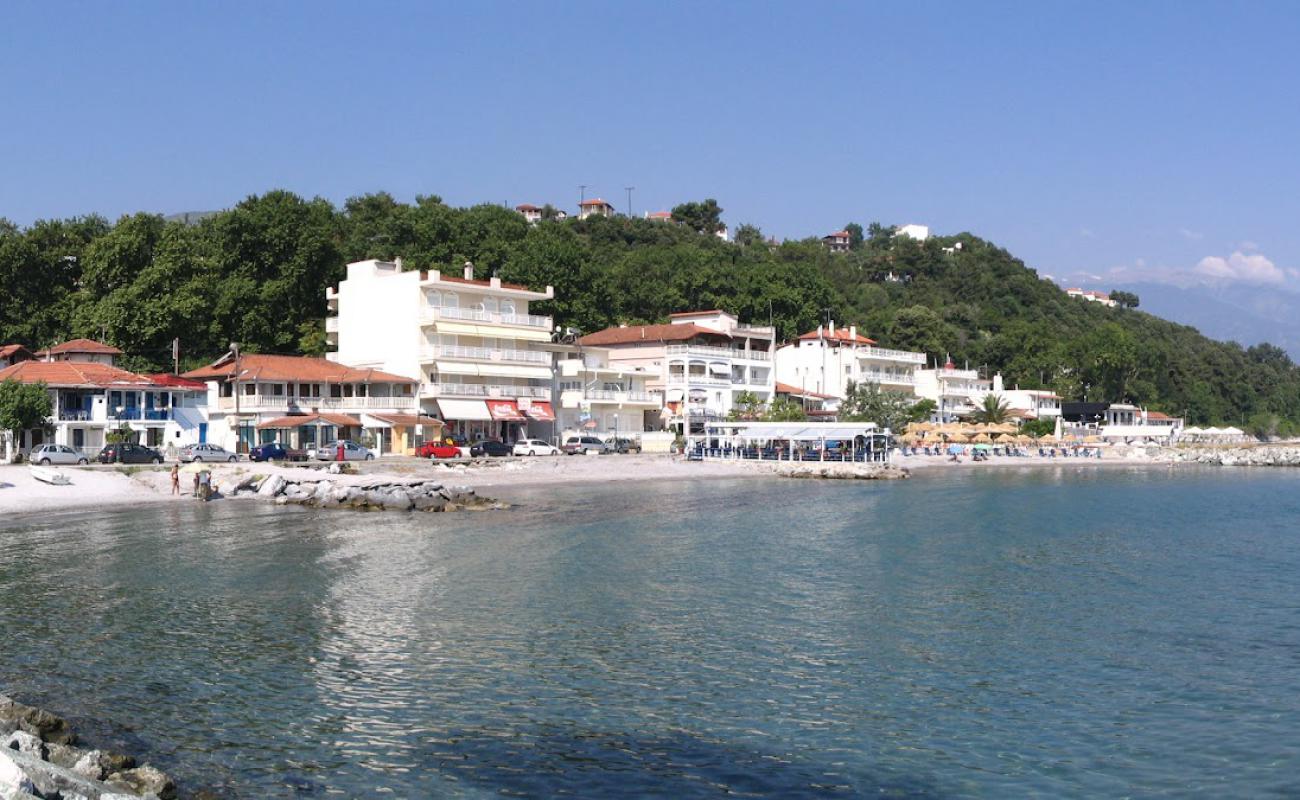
x: 1054, y: 633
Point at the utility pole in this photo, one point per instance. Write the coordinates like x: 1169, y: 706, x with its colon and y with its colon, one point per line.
x: 234, y: 348
x: 582, y: 192
x: 176, y: 356
x: 629, y: 199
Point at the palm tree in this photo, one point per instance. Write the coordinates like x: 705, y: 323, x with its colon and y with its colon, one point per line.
x: 994, y: 411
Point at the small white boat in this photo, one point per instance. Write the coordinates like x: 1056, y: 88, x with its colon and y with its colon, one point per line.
x: 49, y: 475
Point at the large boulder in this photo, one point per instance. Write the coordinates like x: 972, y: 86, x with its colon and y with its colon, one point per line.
x: 35, y: 721
x: 144, y: 780
x: 272, y: 486
x: 24, y: 742
x: 13, y: 779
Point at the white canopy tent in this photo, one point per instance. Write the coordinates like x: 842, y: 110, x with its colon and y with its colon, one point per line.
x: 735, y: 434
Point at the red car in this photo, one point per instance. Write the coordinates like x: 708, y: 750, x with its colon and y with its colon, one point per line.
x: 437, y: 450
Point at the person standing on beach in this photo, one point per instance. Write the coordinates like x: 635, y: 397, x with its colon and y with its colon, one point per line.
x: 176, y: 478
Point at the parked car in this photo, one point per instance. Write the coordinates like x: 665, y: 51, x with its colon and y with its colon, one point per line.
x: 535, y: 447
x: 205, y: 452
x: 438, y: 450
x: 351, y: 452
x: 620, y: 445
x: 56, y: 454
x: 274, y: 451
x: 584, y: 445
x: 491, y: 447
x: 127, y: 453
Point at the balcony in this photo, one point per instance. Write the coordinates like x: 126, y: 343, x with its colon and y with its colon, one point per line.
x: 331, y: 324
x: 968, y: 374
x: 614, y: 396
x: 458, y: 353
x: 699, y: 380
x: 877, y: 376
x: 430, y: 316
x: 885, y: 354
x: 484, y: 390
x: 706, y: 351
x: 281, y: 403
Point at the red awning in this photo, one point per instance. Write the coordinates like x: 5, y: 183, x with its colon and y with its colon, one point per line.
x: 540, y: 410
x: 507, y: 410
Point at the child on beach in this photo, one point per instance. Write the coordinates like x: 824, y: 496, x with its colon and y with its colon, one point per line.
x: 176, y: 478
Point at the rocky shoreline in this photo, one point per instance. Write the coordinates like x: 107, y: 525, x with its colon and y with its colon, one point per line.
x: 845, y: 471
x: 1256, y: 456
x: 385, y: 495
x: 38, y: 761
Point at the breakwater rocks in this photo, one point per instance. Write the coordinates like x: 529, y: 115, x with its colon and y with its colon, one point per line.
x: 384, y: 495
x: 38, y: 761
x: 1260, y: 456
x: 844, y: 471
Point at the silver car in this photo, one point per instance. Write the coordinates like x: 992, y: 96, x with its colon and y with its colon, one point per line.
x: 351, y: 452
x: 205, y: 452
x: 57, y: 454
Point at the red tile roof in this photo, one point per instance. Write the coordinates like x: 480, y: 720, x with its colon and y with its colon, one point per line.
x: 168, y: 379
x: 261, y: 367
x: 72, y: 374
x: 785, y: 388
x: 837, y: 235
x: 659, y: 215
x: 409, y: 419
x: 840, y: 335
x: 594, y: 202
x: 1157, y: 415
x: 526, y: 207
x: 676, y: 314
x: 649, y: 334
x: 82, y: 346
x: 11, y: 350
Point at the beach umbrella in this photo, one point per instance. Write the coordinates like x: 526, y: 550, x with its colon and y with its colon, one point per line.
x: 982, y: 446
x: 1091, y: 439
x: 982, y: 438
x: 194, y: 468
x: 954, y: 449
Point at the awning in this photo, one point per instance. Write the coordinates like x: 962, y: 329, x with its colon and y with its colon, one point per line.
x: 298, y: 420
x: 464, y: 409
x: 492, y: 331
x: 456, y: 368
x: 719, y: 368
x: 540, y: 410
x: 515, y: 371
x: 507, y: 410
x: 406, y: 420
x: 674, y: 396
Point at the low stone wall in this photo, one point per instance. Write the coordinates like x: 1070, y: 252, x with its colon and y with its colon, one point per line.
x: 324, y: 492
x: 38, y: 760
x: 834, y: 470
x: 1257, y: 456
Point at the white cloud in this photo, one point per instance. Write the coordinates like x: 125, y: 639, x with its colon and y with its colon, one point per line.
x: 1248, y: 245
x: 1190, y: 234
x: 1239, y: 266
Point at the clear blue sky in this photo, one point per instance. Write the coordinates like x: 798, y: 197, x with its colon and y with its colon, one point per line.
x: 1082, y: 136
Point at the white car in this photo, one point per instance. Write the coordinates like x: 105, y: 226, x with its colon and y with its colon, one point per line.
x: 351, y: 452
x: 535, y: 447
x: 56, y: 454
x: 205, y: 452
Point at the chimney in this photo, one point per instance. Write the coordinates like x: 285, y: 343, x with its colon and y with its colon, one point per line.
x: 469, y: 270
x: 997, y: 383
x: 832, y: 329
x: 398, y: 262
x: 853, y: 332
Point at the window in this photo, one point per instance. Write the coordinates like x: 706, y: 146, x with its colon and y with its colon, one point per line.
x: 450, y: 300
x: 490, y: 304
x: 507, y: 307
x: 250, y: 389
x: 277, y: 389
x: 363, y: 389
x: 336, y: 390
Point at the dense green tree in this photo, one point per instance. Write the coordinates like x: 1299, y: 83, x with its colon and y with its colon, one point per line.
x: 23, y: 406
x: 856, y: 236
x: 866, y: 402
x: 993, y: 411
x: 701, y: 217
x: 1124, y: 299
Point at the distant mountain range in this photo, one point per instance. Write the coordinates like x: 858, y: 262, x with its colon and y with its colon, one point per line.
x: 1240, y: 313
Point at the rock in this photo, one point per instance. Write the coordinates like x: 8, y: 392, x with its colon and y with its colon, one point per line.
x: 272, y: 486
x: 51, y: 780
x: 430, y: 502
x: 35, y: 721
x: 93, y: 765
x: 13, y: 780
x: 63, y: 755
x: 398, y: 500
x: 24, y: 742
x: 144, y: 780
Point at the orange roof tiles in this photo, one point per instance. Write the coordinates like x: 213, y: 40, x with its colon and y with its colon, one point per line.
x: 633, y: 334
x: 82, y: 346
x: 72, y: 374
x: 260, y: 367
x: 840, y: 335
x: 785, y: 388
x: 594, y: 202
x: 293, y: 421
x: 11, y: 350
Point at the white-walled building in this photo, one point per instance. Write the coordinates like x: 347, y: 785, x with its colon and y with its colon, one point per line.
x: 90, y: 396
x: 698, y: 362
x: 913, y: 231
x: 837, y: 242
x: 532, y: 213
x: 1026, y: 403
x: 595, y: 207
x: 305, y: 402
x: 1092, y: 297
x: 955, y: 392
x: 482, y: 360
x: 604, y: 398
x: 825, y: 360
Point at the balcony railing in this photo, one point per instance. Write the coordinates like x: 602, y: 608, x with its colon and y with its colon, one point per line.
x: 331, y: 324
x: 484, y: 390
x: 707, y: 351
x: 457, y: 352
x: 877, y: 376
x: 432, y: 315
x: 611, y: 395
x: 283, y: 403
x: 885, y: 353
x: 699, y: 380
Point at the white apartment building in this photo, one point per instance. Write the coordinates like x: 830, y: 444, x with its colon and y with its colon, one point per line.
x: 698, y: 363
x: 306, y: 402
x: 595, y: 207
x: 824, y: 361
x: 837, y: 242
x: 483, y: 362
x: 90, y: 396
x: 913, y: 231
x: 604, y: 398
x: 955, y: 392
x: 1026, y: 403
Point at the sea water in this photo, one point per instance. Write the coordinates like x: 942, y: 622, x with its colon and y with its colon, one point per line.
x: 1052, y: 632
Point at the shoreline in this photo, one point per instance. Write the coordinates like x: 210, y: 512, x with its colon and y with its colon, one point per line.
x: 103, y: 487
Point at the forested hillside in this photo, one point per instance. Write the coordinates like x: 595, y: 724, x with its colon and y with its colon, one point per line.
x: 256, y: 274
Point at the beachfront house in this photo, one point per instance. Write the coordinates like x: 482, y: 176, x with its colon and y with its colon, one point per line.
x: 1119, y: 422
x: 824, y: 361
x: 90, y: 396
x: 956, y: 392
x: 597, y: 396
x: 698, y: 363
x: 1025, y: 404
x: 304, y: 402
x: 815, y: 404
x: 479, y: 359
